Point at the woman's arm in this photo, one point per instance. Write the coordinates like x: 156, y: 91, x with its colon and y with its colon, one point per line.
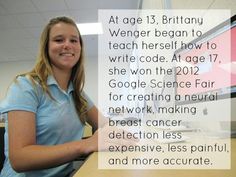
x: 26, y: 155
x: 95, y: 118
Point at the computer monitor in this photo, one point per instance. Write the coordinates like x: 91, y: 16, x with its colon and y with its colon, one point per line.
x: 223, y: 68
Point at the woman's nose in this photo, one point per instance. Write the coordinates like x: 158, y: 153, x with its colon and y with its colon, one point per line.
x: 67, y: 44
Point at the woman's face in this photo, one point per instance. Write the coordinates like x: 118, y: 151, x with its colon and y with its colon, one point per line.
x: 64, y: 46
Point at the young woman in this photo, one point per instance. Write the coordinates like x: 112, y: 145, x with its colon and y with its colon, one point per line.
x: 47, y: 108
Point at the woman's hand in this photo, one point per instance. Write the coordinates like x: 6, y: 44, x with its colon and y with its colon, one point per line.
x: 101, y: 141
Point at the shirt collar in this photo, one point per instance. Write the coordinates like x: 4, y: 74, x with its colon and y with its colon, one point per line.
x: 52, y: 81
x: 70, y: 88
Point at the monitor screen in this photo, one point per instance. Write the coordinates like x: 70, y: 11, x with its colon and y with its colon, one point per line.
x: 224, y: 67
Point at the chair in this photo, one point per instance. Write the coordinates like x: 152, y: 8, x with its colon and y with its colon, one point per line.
x: 2, y: 156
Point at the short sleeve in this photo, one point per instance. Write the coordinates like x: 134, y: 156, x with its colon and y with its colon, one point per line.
x: 89, y: 101
x: 21, y: 95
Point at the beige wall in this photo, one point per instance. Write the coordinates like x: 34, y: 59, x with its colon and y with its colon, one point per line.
x: 8, y: 70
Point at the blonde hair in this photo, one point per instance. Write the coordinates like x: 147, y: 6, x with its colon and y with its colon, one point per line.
x: 43, y: 68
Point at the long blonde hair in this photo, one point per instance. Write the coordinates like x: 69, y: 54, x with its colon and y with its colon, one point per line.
x: 43, y: 68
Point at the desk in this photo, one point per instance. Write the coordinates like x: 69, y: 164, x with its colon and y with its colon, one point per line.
x: 89, y: 168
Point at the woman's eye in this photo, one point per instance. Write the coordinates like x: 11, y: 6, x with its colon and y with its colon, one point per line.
x: 58, y: 40
x: 74, y: 40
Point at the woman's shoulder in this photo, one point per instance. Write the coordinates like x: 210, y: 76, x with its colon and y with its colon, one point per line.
x: 21, y: 95
x: 25, y: 82
x: 22, y: 78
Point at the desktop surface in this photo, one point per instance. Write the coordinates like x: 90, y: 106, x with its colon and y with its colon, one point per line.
x: 90, y: 168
